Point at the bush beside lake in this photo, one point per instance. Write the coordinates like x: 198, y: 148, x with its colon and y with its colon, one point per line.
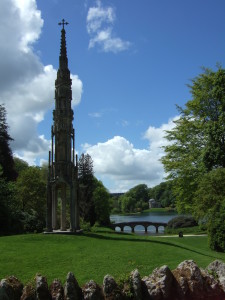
x: 182, y: 222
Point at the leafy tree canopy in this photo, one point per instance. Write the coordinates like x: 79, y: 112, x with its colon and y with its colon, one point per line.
x: 31, y: 191
x: 20, y: 164
x: 210, y: 192
x: 216, y: 228
x: 101, y: 198
x: 197, y: 142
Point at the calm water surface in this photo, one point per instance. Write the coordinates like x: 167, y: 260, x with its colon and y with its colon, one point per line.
x: 150, y: 217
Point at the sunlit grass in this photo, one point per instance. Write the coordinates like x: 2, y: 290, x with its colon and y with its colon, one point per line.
x: 95, y: 254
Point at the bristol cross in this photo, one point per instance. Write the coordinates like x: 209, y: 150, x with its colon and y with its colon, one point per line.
x: 62, y: 185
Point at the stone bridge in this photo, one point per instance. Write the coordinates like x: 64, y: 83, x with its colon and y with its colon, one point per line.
x: 132, y: 225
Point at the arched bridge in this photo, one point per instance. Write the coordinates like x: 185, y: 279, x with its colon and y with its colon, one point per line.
x: 145, y: 224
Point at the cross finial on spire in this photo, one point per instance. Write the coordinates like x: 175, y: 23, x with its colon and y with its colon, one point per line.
x: 63, y: 23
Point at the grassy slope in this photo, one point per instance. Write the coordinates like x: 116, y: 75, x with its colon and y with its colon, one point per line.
x: 93, y: 255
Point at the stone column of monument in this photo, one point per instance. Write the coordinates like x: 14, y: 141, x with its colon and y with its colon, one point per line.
x: 62, y: 170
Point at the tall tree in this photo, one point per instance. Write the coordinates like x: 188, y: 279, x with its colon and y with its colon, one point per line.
x: 20, y: 165
x: 9, y: 207
x: 86, y: 188
x: 31, y: 192
x: 197, y: 142
x: 102, y: 203
x: 6, y: 158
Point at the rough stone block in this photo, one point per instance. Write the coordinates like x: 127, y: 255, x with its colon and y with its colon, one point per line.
x: 92, y: 291
x: 72, y: 291
x: 56, y: 290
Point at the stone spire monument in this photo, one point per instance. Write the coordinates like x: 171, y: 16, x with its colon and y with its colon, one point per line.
x: 62, y: 176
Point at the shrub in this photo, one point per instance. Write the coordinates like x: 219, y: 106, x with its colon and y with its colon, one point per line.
x: 32, y: 222
x: 85, y: 226
x: 216, y: 227
x: 182, y: 222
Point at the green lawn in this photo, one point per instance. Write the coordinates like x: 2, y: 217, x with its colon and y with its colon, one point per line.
x: 95, y: 254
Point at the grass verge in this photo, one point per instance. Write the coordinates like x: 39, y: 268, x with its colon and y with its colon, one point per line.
x: 187, y: 230
x: 93, y: 255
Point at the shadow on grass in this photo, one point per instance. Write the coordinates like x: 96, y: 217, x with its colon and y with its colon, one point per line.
x: 125, y: 237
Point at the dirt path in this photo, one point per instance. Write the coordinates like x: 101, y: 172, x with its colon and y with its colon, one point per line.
x: 177, y: 236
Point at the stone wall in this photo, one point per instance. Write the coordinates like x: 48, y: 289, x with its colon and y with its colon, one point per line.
x: 187, y: 281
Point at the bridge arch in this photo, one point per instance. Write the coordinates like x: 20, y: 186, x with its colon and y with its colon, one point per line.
x: 161, y: 228
x: 117, y: 228
x: 151, y: 228
x: 128, y: 228
x: 131, y: 226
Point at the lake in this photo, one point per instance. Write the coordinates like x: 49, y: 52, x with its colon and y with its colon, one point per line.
x: 148, y: 216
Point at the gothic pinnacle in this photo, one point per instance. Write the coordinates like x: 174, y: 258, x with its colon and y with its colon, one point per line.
x: 63, y: 23
x: 63, y: 61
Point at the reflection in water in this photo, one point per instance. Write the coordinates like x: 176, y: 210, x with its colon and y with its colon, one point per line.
x: 150, y: 217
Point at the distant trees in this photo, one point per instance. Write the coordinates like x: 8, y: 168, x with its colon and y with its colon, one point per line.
x: 136, y: 199
x: 163, y: 194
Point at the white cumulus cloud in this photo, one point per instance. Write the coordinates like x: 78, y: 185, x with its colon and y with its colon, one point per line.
x: 156, y: 136
x: 100, y: 22
x: 123, y: 166
x: 26, y: 85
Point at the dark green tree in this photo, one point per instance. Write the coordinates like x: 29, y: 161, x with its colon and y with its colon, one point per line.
x: 101, y: 198
x: 31, y: 193
x: 9, y: 208
x: 6, y: 158
x: 197, y: 142
x: 86, y: 188
x: 20, y: 165
x: 216, y: 227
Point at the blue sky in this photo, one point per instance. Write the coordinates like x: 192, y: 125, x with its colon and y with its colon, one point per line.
x: 130, y: 62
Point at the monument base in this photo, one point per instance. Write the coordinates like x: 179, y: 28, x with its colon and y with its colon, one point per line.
x: 67, y: 232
